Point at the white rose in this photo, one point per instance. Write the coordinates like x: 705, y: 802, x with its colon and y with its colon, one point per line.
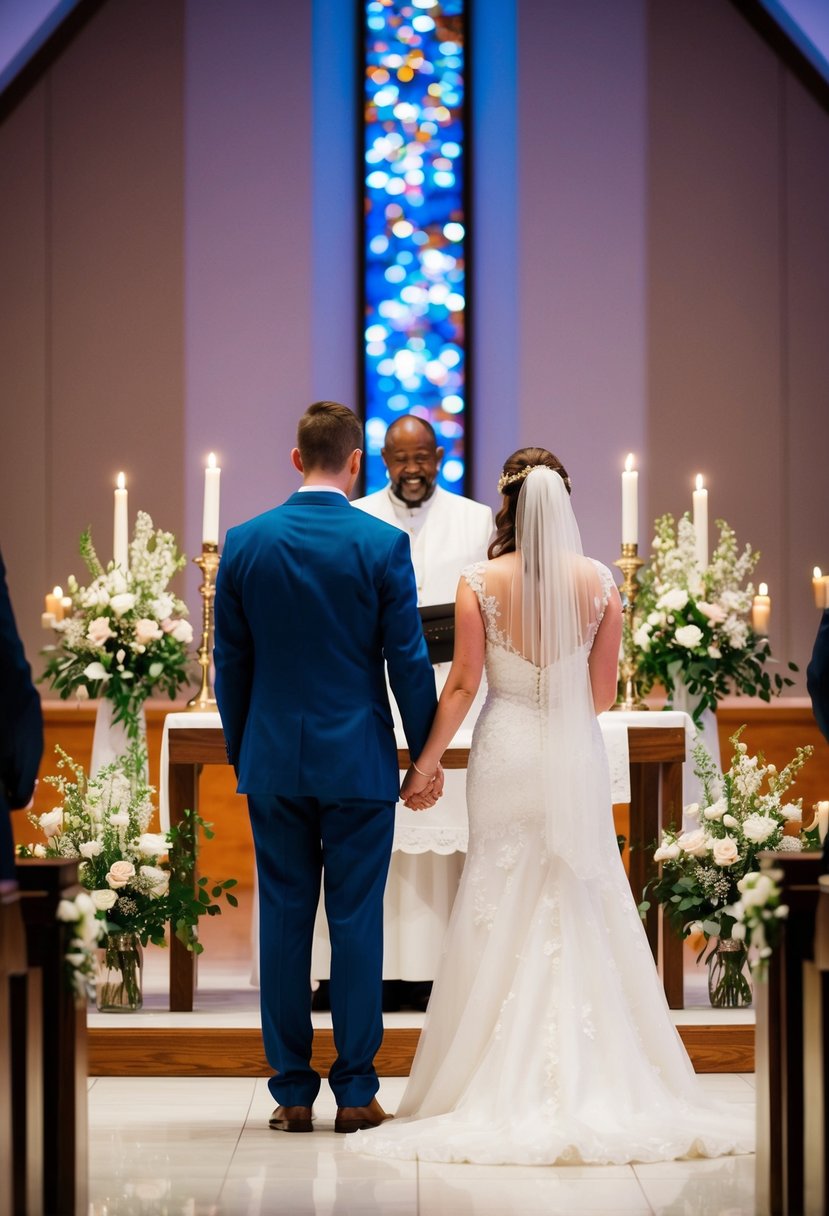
x: 688, y: 636
x: 656, y: 618
x: 726, y: 851
x: 691, y: 811
x: 673, y: 600
x: 756, y: 893
x: 96, y: 671
x: 120, y: 873
x: 99, y: 631
x: 125, y: 602
x: 758, y: 828
x: 667, y: 852
x: 714, y: 652
x: 39, y: 851
x: 103, y: 899
x: 695, y: 843
x: 729, y: 821
x: 162, y: 606
x: 182, y: 631
x: 67, y: 910
x: 158, y: 880
x: 716, y: 810
x: 91, y: 848
x: 51, y: 822
x: 738, y: 932
x: 152, y: 844
x: 792, y: 812
x: 147, y: 630
x: 120, y: 819
x: 642, y: 637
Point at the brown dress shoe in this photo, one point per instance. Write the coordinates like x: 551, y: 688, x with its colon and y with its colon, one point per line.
x: 359, y: 1118
x: 291, y: 1119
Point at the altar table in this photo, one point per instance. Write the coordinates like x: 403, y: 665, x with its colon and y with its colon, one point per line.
x: 657, y: 743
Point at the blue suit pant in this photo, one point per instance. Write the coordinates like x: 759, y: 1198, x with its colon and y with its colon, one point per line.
x: 346, y: 843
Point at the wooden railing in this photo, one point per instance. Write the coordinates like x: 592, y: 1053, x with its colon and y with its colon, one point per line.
x: 43, y: 1046
x: 792, y: 1048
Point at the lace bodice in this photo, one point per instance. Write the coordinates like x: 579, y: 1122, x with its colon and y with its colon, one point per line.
x: 510, y: 674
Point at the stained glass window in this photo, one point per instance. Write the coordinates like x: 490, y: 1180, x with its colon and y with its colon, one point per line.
x: 415, y: 226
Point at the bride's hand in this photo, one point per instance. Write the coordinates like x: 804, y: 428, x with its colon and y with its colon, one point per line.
x: 420, y: 791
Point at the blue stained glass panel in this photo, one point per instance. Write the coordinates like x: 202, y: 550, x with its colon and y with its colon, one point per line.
x: 415, y: 231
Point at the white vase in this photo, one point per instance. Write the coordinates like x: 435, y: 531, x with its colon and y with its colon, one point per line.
x: 110, y: 739
x: 706, y: 732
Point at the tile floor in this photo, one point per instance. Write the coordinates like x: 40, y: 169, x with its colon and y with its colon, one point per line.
x: 184, y: 1146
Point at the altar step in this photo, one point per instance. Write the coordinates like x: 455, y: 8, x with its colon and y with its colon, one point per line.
x: 236, y: 1051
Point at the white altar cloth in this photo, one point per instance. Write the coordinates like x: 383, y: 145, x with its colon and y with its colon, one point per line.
x: 435, y: 831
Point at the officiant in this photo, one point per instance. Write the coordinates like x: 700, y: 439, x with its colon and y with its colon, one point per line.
x: 447, y: 533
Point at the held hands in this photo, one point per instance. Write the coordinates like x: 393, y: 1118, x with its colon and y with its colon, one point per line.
x: 419, y: 791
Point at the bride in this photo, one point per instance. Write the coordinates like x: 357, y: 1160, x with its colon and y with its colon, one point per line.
x: 547, y: 1038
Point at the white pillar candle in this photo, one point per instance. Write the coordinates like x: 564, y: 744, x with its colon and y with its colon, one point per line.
x: 210, y: 518
x: 54, y: 604
x: 820, y: 587
x: 120, y: 543
x: 701, y: 524
x: 761, y: 611
x: 630, y: 503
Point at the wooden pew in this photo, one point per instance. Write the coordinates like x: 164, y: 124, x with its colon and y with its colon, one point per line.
x: 792, y: 1048
x: 13, y: 967
x: 49, y: 1066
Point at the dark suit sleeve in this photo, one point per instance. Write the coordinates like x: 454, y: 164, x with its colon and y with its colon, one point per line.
x: 404, y: 647
x: 21, y: 727
x: 817, y: 676
x: 232, y: 654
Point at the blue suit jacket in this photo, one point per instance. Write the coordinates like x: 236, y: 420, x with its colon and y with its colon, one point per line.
x: 817, y: 676
x: 310, y: 599
x: 21, y: 727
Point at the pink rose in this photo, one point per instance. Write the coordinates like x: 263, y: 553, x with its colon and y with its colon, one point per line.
x: 99, y: 631
x: 120, y: 873
x: 146, y: 630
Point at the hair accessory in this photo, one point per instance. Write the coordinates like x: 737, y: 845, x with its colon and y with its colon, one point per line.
x: 509, y: 479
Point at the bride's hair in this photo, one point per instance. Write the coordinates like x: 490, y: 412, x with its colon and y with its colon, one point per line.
x: 515, y: 470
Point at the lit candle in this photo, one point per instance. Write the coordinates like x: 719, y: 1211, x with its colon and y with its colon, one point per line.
x: 701, y: 524
x: 761, y: 611
x: 54, y: 609
x: 210, y: 519
x: 819, y: 588
x: 630, y: 503
x: 120, y: 543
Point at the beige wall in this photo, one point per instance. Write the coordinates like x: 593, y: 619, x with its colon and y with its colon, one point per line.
x: 91, y: 316
x: 738, y: 297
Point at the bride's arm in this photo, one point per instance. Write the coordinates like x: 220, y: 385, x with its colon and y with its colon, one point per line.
x: 604, y: 657
x: 459, y: 690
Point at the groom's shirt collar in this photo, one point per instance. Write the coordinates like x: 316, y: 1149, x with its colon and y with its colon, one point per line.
x: 324, y: 489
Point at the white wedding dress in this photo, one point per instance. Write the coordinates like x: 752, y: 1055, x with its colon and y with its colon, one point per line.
x: 548, y: 1038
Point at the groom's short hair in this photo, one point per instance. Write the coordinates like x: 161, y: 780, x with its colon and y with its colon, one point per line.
x: 327, y: 435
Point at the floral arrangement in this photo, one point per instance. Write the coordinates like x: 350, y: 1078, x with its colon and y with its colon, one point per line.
x: 693, y: 626
x: 138, y: 880
x: 126, y: 635
x: 758, y: 914
x: 87, y: 930
x: 744, y: 813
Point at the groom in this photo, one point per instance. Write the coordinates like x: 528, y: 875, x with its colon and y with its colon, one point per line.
x: 310, y: 599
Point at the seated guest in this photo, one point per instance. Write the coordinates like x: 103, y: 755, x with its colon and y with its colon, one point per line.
x: 817, y: 676
x: 21, y: 729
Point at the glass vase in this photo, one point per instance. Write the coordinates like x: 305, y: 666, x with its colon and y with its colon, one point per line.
x: 729, y: 986
x: 118, y: 980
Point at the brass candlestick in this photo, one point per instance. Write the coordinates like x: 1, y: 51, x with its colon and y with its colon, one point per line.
x: 629, y: 564
x: 208, y: 563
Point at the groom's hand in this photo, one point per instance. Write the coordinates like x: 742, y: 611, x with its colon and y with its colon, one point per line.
x: 420, y: 792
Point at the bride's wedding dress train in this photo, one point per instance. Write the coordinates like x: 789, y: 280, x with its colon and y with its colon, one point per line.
x: 548, y: 1038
